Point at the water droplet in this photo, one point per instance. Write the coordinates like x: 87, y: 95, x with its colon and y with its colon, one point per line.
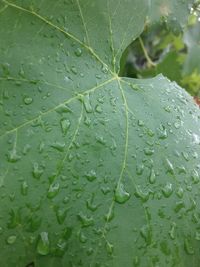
x: 82, y: 238
x: 179, y: 205
x: 104, y: 69
x: 53, y: 190
x: 43, y: 246
x: 24, y: 188
x: 146, y: 233
x: 86, y: 221
x: 109, y: 248
x: 195, y: 176
x: 58, y: 146
x: 162, y: 132
x: 91, y: 175
x: 169, y: 166
x: 135, y: 87
x: 144, y: 196
x: 172, y: 231
x: 11, y: 239
x: 90, y: 205
x: 74, y: 70
x: 197, y: 236
x: 152, y: 177
x: 180, y: 192
x: 148, y: 151
x: 65, y: 124
x: 61, y: 215
x: 188, y: 247
x: 110, y: 215
x: 78, y: 52
x: 37, y: 171
x: 139, y: 169
x: 13, y: 156
x: 167, y: 190
x: 27, y: 100
x: 86, y: 101
x: 121, y: 195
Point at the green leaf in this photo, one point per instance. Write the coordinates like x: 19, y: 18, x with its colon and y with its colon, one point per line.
x: 95, y: 170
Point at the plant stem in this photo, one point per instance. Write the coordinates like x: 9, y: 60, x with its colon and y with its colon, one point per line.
x: 149, y: 61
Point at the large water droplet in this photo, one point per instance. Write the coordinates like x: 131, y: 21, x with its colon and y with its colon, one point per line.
x: 43, y: 246
x: 121, y: 195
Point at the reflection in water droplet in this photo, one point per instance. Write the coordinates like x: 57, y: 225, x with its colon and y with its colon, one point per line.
x: 121, y: 195
x: 43, y: 246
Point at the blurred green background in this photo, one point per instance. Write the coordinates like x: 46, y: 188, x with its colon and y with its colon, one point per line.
x: 164, y: 48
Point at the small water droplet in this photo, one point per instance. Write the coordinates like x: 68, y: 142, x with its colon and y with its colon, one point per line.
x: 53, y: 190
x: 58, y: 146
x: 85, y: 220
x: 13, y: 156
x: 43, y: 245
x: 37, y: 171
x: 91, y: 175
x: 121, y: 195
x: 152, y: 177
x: 65, y: 125
x: 28, y: 100
x: 146, y: 233
x: 24, y: 188
x: 167, y: 190
x: 78, y: 52
x: 144, y: 196
x: 188, y: 247
x: 169, y: 166
x: 172, y: 231
x: 86, y: 101
x: 61, y: 215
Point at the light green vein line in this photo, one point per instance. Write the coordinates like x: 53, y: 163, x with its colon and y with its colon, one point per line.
x: 122, y: 168
x: 60, y: 30
x: 111, y: 36
x: 59, y: 105
x: 15, y: 79
x: 3, y: 9
x: 83, y: 21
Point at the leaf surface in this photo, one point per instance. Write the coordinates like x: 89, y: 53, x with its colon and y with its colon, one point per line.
x: 95, y: 170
